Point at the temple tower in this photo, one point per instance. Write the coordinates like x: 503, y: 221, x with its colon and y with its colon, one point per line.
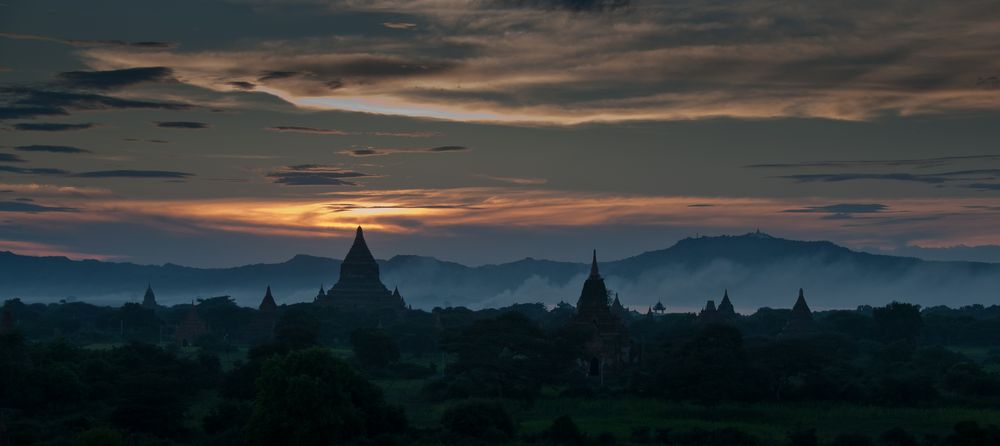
x: 800, y: 321
x: 359, y: 287
x: 726, y: 311
x: 609, y: 346
x: 149, y: 299
x: 261, y: 328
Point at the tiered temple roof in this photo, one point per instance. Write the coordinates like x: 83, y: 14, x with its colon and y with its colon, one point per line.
x: 149, y: 299
x: 800, y: 321
x: 359, y: 287
x: 268, y: 304
x: 261, y: 327
x: 726, y: 310
x: 610, y: 345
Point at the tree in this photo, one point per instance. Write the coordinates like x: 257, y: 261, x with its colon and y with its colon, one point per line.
x: 310, y: 397
x: 898, y: 321
x: 100, y: 436
x: 710, y: 367
x: 505, y: 357
x: 479, y: 418
x: 563, y: 431
x: 897, y: 436
x: 298, y: 327
x: 374, y: 348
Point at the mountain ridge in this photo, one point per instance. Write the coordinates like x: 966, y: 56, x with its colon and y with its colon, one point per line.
x: 689, y: 267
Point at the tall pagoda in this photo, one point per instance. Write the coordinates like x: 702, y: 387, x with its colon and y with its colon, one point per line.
x: 726, y: 311
x: 801, y: 320
x: 261, y: 327
x: 149, y: 299
x: 609, y: 346
x: 359, y: 287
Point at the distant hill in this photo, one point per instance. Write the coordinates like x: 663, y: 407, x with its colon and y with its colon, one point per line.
x: 759, y: 270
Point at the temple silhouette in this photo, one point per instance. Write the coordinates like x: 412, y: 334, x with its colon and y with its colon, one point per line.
x: 360, y: 288
x: 609, y: 346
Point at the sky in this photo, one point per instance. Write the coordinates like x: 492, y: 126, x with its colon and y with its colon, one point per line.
x: 220, y: 133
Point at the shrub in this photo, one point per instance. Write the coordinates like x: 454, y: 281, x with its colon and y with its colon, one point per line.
x: 479, y: 418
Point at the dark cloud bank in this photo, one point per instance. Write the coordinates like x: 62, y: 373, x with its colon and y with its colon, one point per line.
x: 192, y: 125
x: 52, y: 149
x: 51, y: 127
x: 315, y: 175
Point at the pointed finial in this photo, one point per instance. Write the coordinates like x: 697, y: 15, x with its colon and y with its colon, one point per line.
x: 593, y: 266
x: 801, y: 295
x: 268, y: 293
x: 726, y: 294
x: 360, y: 233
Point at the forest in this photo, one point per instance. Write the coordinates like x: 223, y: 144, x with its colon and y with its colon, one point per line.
x: 74, y: 373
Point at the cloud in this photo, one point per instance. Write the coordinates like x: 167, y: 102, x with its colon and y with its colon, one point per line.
x: 372, y: 151
x: 31, y: 208
x: 28, y: 102
x: 842, y: 210
x: 155, y: 141
x: 51, y: 190
x: 113, y: 79
x: 516, y: 180
x: 51, y: 149
x: 918, y: 162
x: 10, y: 158
x: 90, y: 43
x: 571, y: 5
x: 30, y: 112
x: 399, y: 25
x: 182, y: 124
x: 935, y: 178
x: 34, y: 171
x: 984, y: 186
x: 134, y: 174
x: 651, y: 61
x: 313, y: 130
x: 315, y: 175
x: 322, y: 131
x: 447, y: 211
x: 51, y: 126
x: 241, y: 85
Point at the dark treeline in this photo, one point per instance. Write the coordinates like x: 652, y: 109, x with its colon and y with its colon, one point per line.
x: 60, y: 385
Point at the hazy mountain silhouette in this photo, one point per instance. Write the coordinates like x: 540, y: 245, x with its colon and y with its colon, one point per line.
x: 759, y: 270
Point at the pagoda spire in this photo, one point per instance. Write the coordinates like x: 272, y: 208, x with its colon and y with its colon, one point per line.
x: 149, y: 299
x: 801, y: 308
x: 359, y: 251
x: 593, y: 266
x: 268, y: 303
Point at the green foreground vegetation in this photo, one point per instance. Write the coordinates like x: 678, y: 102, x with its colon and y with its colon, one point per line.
x: 888, y: 376
x: 772, y: 423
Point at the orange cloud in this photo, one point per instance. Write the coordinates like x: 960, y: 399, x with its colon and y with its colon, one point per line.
x: 437, y: 212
